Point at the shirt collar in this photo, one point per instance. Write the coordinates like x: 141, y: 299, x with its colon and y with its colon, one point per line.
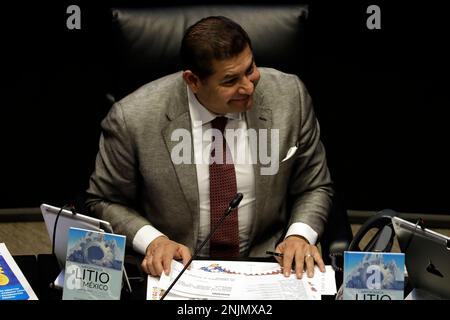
x: 200, y: 115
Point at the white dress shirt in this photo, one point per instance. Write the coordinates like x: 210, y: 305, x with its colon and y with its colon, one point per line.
x: 201, y: 123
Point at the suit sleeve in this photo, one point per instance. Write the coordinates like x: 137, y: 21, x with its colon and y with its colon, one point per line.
x: 113, y: 187
x: 310, y: 187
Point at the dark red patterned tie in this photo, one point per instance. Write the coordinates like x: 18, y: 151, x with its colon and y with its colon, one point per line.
x: 222, y: 189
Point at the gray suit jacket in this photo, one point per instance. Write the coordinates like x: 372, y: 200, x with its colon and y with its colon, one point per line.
x: 135, y: 182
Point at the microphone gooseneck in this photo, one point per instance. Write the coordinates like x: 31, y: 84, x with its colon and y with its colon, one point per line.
x: 67, y: 206
x: 55, y: 229
x: 234, y: 203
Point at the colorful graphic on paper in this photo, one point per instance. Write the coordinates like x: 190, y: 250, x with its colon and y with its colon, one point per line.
x: 10, y: 287
x: 217, y: 268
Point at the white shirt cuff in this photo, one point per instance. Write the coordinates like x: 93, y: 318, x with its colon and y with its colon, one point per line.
x: 144, y: 237
x: 304, y: 230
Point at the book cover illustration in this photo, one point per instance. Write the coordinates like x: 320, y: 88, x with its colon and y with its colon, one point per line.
x: 13, y: 285
x: 373, y: 276
x: 94, y: 265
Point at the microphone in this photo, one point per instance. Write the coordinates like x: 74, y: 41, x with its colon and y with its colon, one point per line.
x: 233, y: 205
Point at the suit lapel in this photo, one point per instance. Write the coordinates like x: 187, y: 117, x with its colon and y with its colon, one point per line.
x: 259, y: 117
x: 178, y: 116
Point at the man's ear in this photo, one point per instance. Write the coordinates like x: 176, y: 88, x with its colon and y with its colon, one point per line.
x: 191, y: 80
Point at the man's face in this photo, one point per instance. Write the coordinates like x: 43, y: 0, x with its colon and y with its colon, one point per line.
x: 230, y: 88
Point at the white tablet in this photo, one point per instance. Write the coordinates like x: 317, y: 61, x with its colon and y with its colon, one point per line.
x: 66, y: 220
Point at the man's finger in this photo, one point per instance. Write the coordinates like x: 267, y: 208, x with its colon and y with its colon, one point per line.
x: 144, y: 265
x: 319, y: 261
x: 157, y: 265
x: 150, y: 267
x: 309, y: 261
x: 167, y: 261
x: 185, y: 254
x: 287, y: 263
x: 279, y: 258
x: 299, y: 259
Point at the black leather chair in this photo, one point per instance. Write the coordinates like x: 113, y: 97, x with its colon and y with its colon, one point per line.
x: 147, y: 40
x: 146, y: 44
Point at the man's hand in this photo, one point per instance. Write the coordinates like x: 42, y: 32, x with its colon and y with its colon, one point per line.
x: 297, y: 250
x: 160, y: 253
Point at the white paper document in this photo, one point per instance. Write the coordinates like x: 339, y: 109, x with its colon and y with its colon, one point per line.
x: 200, y: 284
x: 327, y: 281
x: 276, y: 287
x: 240, y: 280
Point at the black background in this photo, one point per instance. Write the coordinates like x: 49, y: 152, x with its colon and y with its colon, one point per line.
x: 380, y: 96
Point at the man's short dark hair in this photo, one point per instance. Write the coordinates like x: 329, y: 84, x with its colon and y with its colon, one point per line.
x: 211, y: 38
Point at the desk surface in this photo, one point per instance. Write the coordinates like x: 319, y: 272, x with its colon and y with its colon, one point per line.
x: 43, y: 269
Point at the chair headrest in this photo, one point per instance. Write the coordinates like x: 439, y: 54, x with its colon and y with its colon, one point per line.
x: 147, y: 40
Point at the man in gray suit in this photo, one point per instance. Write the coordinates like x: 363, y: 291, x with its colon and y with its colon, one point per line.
x: 149, y: 182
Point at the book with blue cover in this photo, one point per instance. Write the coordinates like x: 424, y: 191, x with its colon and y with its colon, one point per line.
x: 373, y: 276
x: 13, y: 284
x: 94, y: 265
